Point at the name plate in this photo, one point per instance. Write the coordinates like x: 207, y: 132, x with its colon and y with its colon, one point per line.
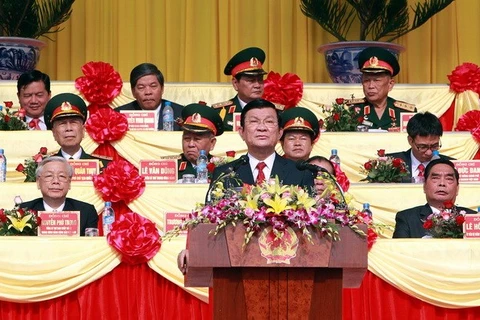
x: 83, y: 170
x: 236, y: 121
x: 139, y: 120
x: 173, y: 219
x: 471, y: 226
x: 164, y: 170
x: 469, y: 170
x: 65, y: 223
x: 404, y: 118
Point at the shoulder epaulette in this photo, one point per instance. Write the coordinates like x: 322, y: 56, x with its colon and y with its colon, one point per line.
x: 355, y: 101
x: 222, y: 104
x: 171, y: 157
x: 279, y: 107
x: 405, y: 106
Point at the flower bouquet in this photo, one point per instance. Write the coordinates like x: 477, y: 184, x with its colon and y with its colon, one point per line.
x: 218, y: 161
x: 29, y: 166
x: 448, y: 223
x: 10, y: 120
x: 384, y: 169
x: 341, y: 117
x: 19, y: 221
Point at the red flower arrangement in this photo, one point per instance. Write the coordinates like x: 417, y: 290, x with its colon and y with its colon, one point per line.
x: 135, y: 237
x: 30, y: 165
x: 218, y: 161
x: 119, y: 181
x: 100, y: 83
x: 286, y: 90
x: 341, y: 117
x: 106, y: 125
x: 470, y: 121
x: 10, y: 120
x: 384, y: 169
x: 448, y: 223
x: 465, y: 77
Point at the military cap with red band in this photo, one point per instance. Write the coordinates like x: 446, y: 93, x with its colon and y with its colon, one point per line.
x: 200, y: 118
x: 249, y: 61
x: 300, y: 119
x: 376, y: 60
x: 64, y: 105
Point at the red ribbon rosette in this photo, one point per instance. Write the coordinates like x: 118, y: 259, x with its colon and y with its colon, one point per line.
x: 119, y: 181
x: 286, y: 90
x: 341, y: 177
x: 470, y: 121
x: 465, y: 77
x: 135, y: 237
x: 101, y: 83
x: 106, y: 125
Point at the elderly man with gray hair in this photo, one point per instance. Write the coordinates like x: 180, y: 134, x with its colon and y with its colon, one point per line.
x: 54, y: 177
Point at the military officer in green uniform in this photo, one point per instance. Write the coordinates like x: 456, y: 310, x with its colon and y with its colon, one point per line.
x: 379, y: 111
x: 201, y: 125
x: 246, y: 69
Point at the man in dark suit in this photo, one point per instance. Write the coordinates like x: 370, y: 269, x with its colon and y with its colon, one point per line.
x: 424, y: 132
x: 441, y: 185
x: 65, y: 115
x: 247, y: 73
x: 260, y: 129
x: 54, y: 176
x: 33, y: 92
x: 147, y: 85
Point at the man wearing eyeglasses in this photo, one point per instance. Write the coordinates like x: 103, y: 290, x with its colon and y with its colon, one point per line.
x: 424, y: 132
x: 54, y: 176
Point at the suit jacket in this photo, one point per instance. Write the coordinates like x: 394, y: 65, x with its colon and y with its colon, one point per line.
x: 405, y: 156
x: 177, y: 112
x: 86, y: 156
x: 409, y: 222
x: 285, y: 169
x: 88, y: 214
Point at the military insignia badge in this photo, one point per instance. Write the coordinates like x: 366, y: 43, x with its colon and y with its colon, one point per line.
x: 373, y: 61
x: 182, y: 166
x: 66, y: 106
x: 196, y: 118
x: 253, y: 62
x: 232, y: 109
x: 299, y: 121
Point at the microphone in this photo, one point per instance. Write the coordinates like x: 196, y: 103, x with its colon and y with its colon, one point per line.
x: 304, y: 165
x: 243, y: 160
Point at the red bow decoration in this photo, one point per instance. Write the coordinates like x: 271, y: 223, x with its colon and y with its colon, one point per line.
x: 286, y: 90
x: 465, y: 77
x: 470, y: 121
x: 135, y: 237
x: 341, y: 177
x: 106, y: 125
x: 119, y: 181
x: 101, y: 83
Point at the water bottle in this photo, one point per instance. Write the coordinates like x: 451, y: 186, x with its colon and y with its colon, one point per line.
x: 366, y: 210
x: 167, y: 116
x: 334, y: 157
x: 435, y: 154
x: 202, y: 171
x: 108, y: 218
x: 3, y: 166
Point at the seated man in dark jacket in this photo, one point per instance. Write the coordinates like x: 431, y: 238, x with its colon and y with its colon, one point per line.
x: 54, y: 176
x: 441, y: 185
x: 424, y: 133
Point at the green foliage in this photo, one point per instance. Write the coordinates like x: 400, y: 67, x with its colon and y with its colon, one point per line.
x: 380, y: 20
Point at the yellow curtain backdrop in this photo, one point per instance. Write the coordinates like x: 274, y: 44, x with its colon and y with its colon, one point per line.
x: 191, y: 40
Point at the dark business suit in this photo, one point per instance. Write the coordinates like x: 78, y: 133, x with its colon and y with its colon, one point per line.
x: 177, y: 112
x: 285, y: 169
x: 86, y: 156
x: 409, y: 222
x: 88, y: 214
x: 405, y: 156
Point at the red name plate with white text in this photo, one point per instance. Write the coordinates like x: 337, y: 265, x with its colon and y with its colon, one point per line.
x: 65, y: 223
x: 404, y: 118
x: 140, y: 120
x: 159, y: 170
x: 173, y: 219
x: 469, y: 170
x: 471, y: 226
x: 83, y: 170
x: 236, y: 120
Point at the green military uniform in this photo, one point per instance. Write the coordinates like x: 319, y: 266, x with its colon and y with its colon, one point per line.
x: 390, y: 118
x: 246, y: 62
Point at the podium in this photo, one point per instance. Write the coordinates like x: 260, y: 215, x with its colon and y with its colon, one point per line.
x: 248, y: 286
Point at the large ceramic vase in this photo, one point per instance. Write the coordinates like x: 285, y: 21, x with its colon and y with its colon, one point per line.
x: 341, y: 58
x: 18, y: 55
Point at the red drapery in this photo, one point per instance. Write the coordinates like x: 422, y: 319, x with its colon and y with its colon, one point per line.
x: 138, y: 292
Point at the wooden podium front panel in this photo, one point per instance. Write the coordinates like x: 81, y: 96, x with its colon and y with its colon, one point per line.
x: 277, y: 293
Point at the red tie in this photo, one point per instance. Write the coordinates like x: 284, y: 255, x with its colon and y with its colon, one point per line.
x: 34, y: 124
x: 261, y: 175
x: 421, y: 170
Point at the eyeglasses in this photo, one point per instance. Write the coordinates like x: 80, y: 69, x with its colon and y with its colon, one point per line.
x: 50, y: 177
x: 425, y: 147
x: 269, y: 123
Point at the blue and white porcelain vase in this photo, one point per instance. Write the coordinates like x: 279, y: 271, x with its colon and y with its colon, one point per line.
x: 341, y: 58
x: 18, y: 55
